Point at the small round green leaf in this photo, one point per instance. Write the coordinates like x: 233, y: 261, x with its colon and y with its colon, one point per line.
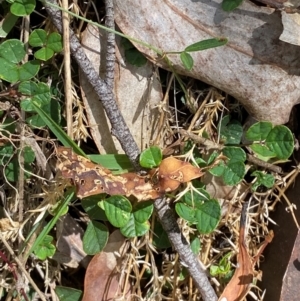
x: 142, y: 211
x: 185, y: 212
x: 259, y: 131
x: 281, y: 141
x: 45, y: 248
x: 206, y: 44
x: 118, y: 210
x: 151, y: 157
x: 22, y: 7
x: 231, y: 132
x: 135, y: 58
x: 12, y: 50
x: 44, y: 54
x: 28, y: 154
x: 262, y: 151
x: 195, y: 245
x: 133, y: 228
x: 54, y: 42
x: 91, y: 207
x: 234, y: 154
x: 95, y: 238
x: 234, y: 173
x: 264, y: 179
x: 229, y: 5
x: 160, y: 237
x: 38, y: 38
x: 218, y: 170
x: 208, y: 216
x: 193, y: 198
x: 28, y: 70
x: 187, y: 60
x: 6, y: 152
x: 8, y: 71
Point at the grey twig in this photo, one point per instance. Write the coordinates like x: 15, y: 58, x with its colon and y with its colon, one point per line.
x: 168, y: 221
x: 103, y: 90
x: 121, y: 131
x: 110, y: 51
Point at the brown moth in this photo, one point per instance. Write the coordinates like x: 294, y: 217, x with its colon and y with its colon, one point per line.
x: 91, y: 179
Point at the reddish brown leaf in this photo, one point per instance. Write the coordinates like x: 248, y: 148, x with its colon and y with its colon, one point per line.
x: 239, y: 284
x: 90, y: 178
x: 102, y: 280
x: 172, y: 172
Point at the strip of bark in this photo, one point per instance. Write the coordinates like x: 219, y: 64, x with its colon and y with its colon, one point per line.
x: 121, y: 131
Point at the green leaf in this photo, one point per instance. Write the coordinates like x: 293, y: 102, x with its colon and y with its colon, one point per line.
x: 218, y: 170
x: 160, y: 237
x: 234, y: 154
x: 151, y: 157
x: 12, y: 50
x: 12, y: 170
x: 45, y: 248
x: 118, y: 210
x: 229, y: 5
x: 142, y: 211
x: 69, y: 196
x: 187, y: 60
x: 91, y: 207
x: 22, y: 7
x: 28, y: 154
x: 230, y: 132
x: 234, y: 173
x: 28, y: 70
x: 281, y: 141
x: 44, y: 54
x: 262, y: 151
x: 208, y: 216
x: 134, y: 57
x: 6, y: 152
x: 195, y: 245
x: 264, y: 179
x: 8, y: 71
x: 212, y: 157
x: 259, y: 131
x: 54, y: 42
x: 39, y: 92
x: 206, y: 44
x: 95, y: 238
x: 57, y: 130
x: 38, y: 38
x: 68, y: 293
x: 118, y: 162
x: 193, y: 198
x: 186, y: 212
x: 7, y: 24
x: 133, y: 228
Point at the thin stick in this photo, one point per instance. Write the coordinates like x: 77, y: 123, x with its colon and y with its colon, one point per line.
x: 67, y: 70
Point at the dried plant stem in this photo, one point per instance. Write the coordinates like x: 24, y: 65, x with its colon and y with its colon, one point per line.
x: 21, y: 267
x: 121, y: 131
x: 67, y: 70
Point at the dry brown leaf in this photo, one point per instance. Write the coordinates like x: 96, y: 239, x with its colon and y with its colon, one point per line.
x: 172, y: 172
x: 90, y: 178
x: 240, y: 283
x: 102, y: 280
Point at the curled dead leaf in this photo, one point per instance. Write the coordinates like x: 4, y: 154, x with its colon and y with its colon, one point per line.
x: 91, y: 179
